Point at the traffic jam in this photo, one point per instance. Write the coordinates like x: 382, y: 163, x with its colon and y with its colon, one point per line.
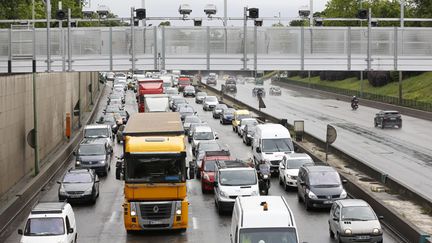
x: 170, y: 142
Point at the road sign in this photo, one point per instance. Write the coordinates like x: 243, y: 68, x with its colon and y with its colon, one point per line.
x: 331, y: 134
x: 31, y: 138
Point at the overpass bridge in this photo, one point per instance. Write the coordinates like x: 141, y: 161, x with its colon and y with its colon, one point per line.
x: 215, y: 48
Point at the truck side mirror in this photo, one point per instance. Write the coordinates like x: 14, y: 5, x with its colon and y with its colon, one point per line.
x: 70, y: 231
x: 258, y: 150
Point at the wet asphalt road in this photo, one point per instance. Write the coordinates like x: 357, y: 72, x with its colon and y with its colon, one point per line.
x: 404, y: 154
x: 103, y: 221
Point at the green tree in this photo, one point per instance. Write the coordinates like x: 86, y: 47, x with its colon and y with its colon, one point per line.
x: 165, y: 23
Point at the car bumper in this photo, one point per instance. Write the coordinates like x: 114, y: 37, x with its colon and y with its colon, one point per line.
x: 97, y: 168
x: 226, y: 204
x: 321, y: 203
x: 207, y: 185
x: 361, y: 238
x: 76, y: 197
x: 226, y: 121
x: 291, y: 182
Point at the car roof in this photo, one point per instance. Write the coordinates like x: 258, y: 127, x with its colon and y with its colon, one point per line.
x: 268, y: 130
x: 390, y: 111
x: 353, y: 203
x: 319, y: 168
x: 254, y: 215
x: 49, y: 208
x: 96, y: 126
x: 297, y: 156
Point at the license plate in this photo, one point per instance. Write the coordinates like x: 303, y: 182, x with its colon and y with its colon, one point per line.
x: 328, y: 202
x: 75, y: 196
x: 155, y: 222
x: 393, y: 118
x: 363, y: 237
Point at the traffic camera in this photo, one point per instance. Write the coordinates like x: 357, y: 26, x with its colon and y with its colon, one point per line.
x: 140, y: 13
x: 258, y: 22
x: 210, y: 9
x: 60, y: 14
x: 363, y: 14
x: 197, y: 22
x: 185, y: 9
x: 253, y: 13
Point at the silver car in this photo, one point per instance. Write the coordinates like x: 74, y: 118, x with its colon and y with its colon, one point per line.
x: 353, y: 220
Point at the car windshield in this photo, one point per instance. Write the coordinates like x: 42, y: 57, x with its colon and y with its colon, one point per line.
x: 77, y: 178
x: 211, y: 99
x: 357, y: 213
x: 268, y: 235
x: 201, y: 94
x: 44, y: 227
x: 203, y: 136
x: 192, y: 119
x: 209, y: 165
x: 171, y: 91
x: 155, y: 168
x: 277, y: 145
x: 237, y: 177
x: 179, y: 101
x: 186, y: 109
x: 112, y: 110
x: 96, y: 133
x: 108, y: 119
x: 242, y: 116
x: 220, y: 107
x: 91, y: 149
x: 249, y: 122
x: 297, y: 163
x: 229, y: 112
x: 324, y: 179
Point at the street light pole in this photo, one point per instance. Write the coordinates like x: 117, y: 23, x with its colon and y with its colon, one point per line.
x: 245, y: 37
x: 311, y: 13
x: 225, y: 13
x: 48, y: 12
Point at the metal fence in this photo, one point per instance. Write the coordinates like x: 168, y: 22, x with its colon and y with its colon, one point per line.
x: 425, y: 106
x: 217, y: 48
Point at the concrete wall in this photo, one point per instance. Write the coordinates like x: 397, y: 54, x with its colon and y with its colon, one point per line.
x: 57, y: 94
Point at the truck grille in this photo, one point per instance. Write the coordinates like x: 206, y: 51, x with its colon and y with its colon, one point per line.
x: 155, y: 211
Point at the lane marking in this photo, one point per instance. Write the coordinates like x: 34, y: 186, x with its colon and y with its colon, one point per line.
x: 194, y: 223
x: 114, y: 216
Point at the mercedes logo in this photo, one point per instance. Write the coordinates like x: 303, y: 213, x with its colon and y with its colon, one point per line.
x: 155, y: 209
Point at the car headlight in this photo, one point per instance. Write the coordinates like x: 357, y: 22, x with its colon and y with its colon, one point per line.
x: 265, y: 176
x: 348, y: 232
x: 376, y: 231
x: 77, y: 163
x: 255, y: 193
x: 88, y: 191
x: 133, y: 209
x: 62, y: 190
x: 312, y: 195
x: 343, y: 194
x: 101, y: 162
x: 223, y: 194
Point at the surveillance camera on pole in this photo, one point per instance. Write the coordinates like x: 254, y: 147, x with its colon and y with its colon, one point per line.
x: 363, y: 14
x: 304, y: 12
x: 60, y: 14
x: 318, y: 22
x: 258, y: 22
x: 87, y: 14
x: 140, y: 13
x: 210, y: 9
x: 197, y: 22
x: 103, y: 11
x: 253, y: 13
x: 185, y: 10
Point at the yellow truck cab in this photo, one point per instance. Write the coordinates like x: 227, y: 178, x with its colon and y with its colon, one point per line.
x: 154, y: 172
x: 238, y: 115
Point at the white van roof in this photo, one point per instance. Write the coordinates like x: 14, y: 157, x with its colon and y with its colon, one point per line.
x: 254, y: 215
x: 273, y: 131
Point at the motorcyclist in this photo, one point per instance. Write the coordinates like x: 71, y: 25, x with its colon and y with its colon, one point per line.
x: 354, y: 101
x: 263, y: 167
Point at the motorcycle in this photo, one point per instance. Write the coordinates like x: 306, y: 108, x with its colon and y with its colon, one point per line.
x: 354, y: 105
x: 264, y: 181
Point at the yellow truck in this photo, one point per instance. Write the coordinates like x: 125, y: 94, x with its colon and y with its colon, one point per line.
x: 154, y: 172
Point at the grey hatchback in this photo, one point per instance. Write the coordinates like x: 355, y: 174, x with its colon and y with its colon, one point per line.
x: 94, y: 154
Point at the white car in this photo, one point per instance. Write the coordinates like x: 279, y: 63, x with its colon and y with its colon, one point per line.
x: 353, y: 220
x: 210, y: 102
x: 243, y: 123
x: 202, y: 133
x: 289, y: 168
x: 233, y: 178
x: 50, y: 222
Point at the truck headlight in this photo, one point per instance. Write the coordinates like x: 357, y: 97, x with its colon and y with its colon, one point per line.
x: 178, y: 207
x: 133, y: 209
x: 348, y: 232
x: 343, y: 194
x: 376, y: 231
x: 312, y: 195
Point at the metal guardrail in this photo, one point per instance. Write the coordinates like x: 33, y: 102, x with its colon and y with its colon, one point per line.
x: 405, y: 230
x: 425, y: 106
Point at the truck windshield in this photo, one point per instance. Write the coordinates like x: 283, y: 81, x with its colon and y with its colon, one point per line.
x: 269, y: 235
x: 155, y: 168
x: 238, y: 177
x: 44, y: 227
x: 96, y: 133
x: 277, y: 145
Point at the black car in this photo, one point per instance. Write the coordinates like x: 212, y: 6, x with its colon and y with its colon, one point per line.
x: 94, y: 154
x: 230, y: 88
x: 388, y: 119
x: 258, y: 90
x: 79, y: 185
x: 186, y: 111
x: 231, y: 80
x: 227, y: 116
x: 319, y: 186
x: 218, y: 110
x: 248, y: 134
x: 211, y: 81
x: 275, y: 91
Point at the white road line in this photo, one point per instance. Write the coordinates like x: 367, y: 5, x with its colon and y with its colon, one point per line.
x: 194, y: 223
x: 113, y: 217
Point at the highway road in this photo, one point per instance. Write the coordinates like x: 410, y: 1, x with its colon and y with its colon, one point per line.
x: 103, y: 221
x: 404, y: 154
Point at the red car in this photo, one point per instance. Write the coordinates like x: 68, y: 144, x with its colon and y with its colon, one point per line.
x: 207, y: 169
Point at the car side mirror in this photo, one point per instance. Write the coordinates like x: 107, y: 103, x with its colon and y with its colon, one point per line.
x: 380, y: 217
x: 215, y: 184
x: 74, y: 153
x: 335, y: 219
x: 58, y: 182
x: 302, y: 183
x: 70, y: 231
x: 20, y: 231
x: 282, y: 167
x: 258, y: 150
x: 344, y: 181
x: 97, y: 180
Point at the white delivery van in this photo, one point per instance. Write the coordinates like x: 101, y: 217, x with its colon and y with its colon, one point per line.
x: 271, y: 142
x: 264, y: 219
